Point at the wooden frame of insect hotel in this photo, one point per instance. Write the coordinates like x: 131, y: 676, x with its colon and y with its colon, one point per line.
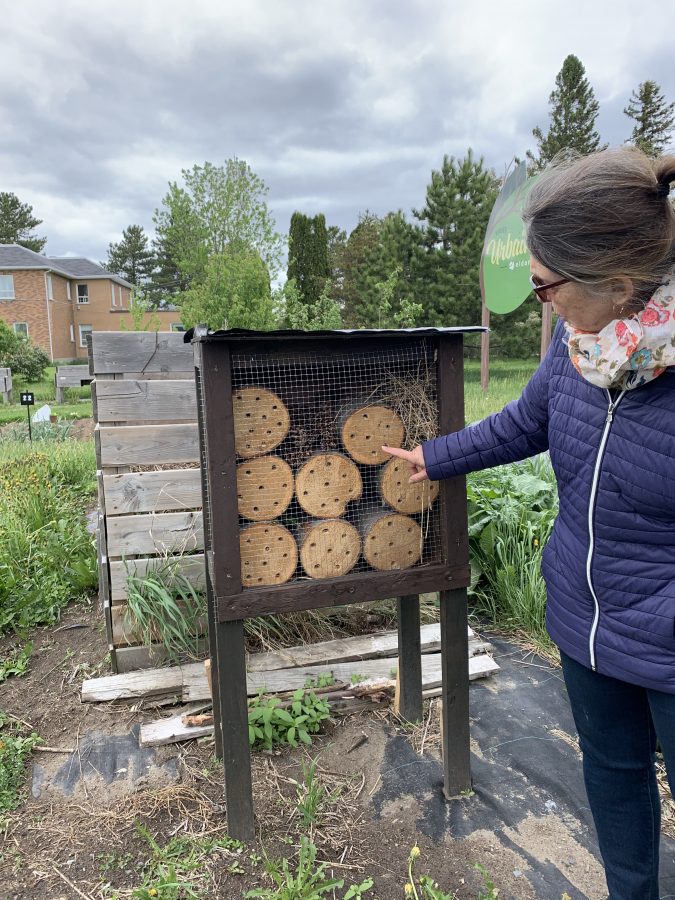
x: 303, y: 509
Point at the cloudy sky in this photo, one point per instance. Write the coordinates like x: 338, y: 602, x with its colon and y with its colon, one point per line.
x: 339, y: 105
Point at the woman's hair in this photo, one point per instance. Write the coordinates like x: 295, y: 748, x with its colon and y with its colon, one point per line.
x: 595, y: 218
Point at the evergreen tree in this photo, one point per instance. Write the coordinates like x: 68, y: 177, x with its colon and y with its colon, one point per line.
x: 459, y: 199
x: 17, y: 223
x: 308, y: 264
x: 355, y: 260
x: 574, y: 110
x: 132, y: 258
x: 654, y: 118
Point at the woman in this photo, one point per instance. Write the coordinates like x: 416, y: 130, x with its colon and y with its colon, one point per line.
x: 601, y: 233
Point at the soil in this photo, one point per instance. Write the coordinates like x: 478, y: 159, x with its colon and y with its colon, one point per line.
x: 77, y: 831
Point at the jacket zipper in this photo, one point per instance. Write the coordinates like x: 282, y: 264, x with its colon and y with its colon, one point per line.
x: 591, y: 515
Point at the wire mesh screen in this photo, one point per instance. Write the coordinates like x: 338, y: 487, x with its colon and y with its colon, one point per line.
x: 317, y: 496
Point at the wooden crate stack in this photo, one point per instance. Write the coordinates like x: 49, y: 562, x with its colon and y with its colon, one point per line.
x: 147, y: 454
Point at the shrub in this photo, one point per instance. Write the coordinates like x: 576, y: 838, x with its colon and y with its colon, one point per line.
x: 21, y: 355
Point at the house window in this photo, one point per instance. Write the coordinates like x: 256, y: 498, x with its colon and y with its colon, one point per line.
x: 72, y: 334
x: 6, y: 287
x: 83, y: 293
x: 68, y: 289
x: 176, y: 326
x: 84, y: 331
x: 112, y: 288
x: 21, y: 328
x: 50, y: 288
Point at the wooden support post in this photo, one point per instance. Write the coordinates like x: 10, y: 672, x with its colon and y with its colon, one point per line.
x: 59, y: 394
x: 455, y: 695
x: 226, y: 639
x: 234, y: 721
x: 409, y: 680
x: 546, y: 320
x: 485, y: 349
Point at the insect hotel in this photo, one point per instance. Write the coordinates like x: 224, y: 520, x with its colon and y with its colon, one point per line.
x: 303, y: 509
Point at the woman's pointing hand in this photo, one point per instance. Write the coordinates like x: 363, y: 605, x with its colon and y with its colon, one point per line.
x: 415, y: 460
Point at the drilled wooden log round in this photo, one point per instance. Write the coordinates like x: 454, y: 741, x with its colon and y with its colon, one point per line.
x: 269, y: 554
x: 264, y: 488
x: 390, y: 540
x: 328, y: 547
x: 326, y: 484
x: 261, y: 421
x: 402, y: 496
x: 364, y: 431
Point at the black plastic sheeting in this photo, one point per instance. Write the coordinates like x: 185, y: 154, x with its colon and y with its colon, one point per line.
x: 523, y: 767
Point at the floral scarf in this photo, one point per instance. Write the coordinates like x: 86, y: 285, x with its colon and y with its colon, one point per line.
x: 630, y: 352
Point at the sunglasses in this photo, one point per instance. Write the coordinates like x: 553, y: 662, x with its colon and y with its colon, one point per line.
x: 541, y: 290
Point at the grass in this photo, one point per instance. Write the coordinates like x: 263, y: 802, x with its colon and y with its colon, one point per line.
x: 77, y: 407
x: 507, y: 379
x: 15, y: 748
x: 47, y: 557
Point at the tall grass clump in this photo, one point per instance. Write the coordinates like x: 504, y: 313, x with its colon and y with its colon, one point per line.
x: 511, y: 514
x: 47, y: 557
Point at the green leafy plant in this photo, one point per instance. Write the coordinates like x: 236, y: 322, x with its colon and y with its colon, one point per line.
x: 172, y: 872
x: 358, y: 890
x: 428, y: 888
x: 307, y: 882
x: 16, y: 663
x: 492, y: 891
x: 163, y: 607
x: 511, y: 514
x: 312, y: 797
x: 270, y: 723
x: 325, y: 679
x: 14, y: 752
x: 47, y: 556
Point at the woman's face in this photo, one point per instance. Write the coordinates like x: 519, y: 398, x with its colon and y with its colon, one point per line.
x: 571, y: 302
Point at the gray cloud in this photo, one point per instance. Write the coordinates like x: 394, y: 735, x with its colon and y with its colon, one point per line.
x: 339, y: 106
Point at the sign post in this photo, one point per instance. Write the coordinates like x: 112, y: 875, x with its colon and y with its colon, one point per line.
x: 27, y: 400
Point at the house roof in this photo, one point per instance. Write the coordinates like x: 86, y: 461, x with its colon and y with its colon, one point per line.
x: 13, y: 256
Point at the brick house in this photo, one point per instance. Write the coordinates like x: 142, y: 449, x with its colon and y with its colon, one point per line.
x: 57, y: 300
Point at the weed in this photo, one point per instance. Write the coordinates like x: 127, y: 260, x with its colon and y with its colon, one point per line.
x: 173, y: 871
x: 163, y: 606
x: 14, y: 752
x: 270, y: 724
x: 324, y: 680
x: 358, y: 890
x: 312, y: 796
x: 492, y: 892
x: 428, y: 888
x: 307, y: 882
x: 16, y: 663
x: 357, y: 679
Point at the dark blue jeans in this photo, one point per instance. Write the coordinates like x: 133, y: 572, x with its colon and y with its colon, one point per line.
x: 618, y: 725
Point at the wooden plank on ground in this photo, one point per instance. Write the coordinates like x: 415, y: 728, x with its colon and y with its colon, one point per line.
x: 146, y: 352
x: 192, y: 681
x: 192, y: 567
x: 133, y: 400
x: 137, y: 492
x: 133, y: 659
x: 148, y: 445
x: 179, y: 532
x: 172, y: 730
x: 131, y: 685
x: 195, y: 686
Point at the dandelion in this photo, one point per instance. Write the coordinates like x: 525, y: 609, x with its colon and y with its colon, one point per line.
x: 536, y: 542
x: 415, y: 852
x: 408, y: 890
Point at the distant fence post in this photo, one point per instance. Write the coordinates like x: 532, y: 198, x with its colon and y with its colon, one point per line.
x: 6, y: 385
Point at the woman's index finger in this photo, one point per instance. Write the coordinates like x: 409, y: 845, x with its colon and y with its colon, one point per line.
x: 401, y: 453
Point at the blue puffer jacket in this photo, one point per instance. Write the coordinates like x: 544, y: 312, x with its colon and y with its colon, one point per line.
x: 609, y: 564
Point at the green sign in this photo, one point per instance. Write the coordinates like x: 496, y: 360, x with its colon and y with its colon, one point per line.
x: 505, y: 262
